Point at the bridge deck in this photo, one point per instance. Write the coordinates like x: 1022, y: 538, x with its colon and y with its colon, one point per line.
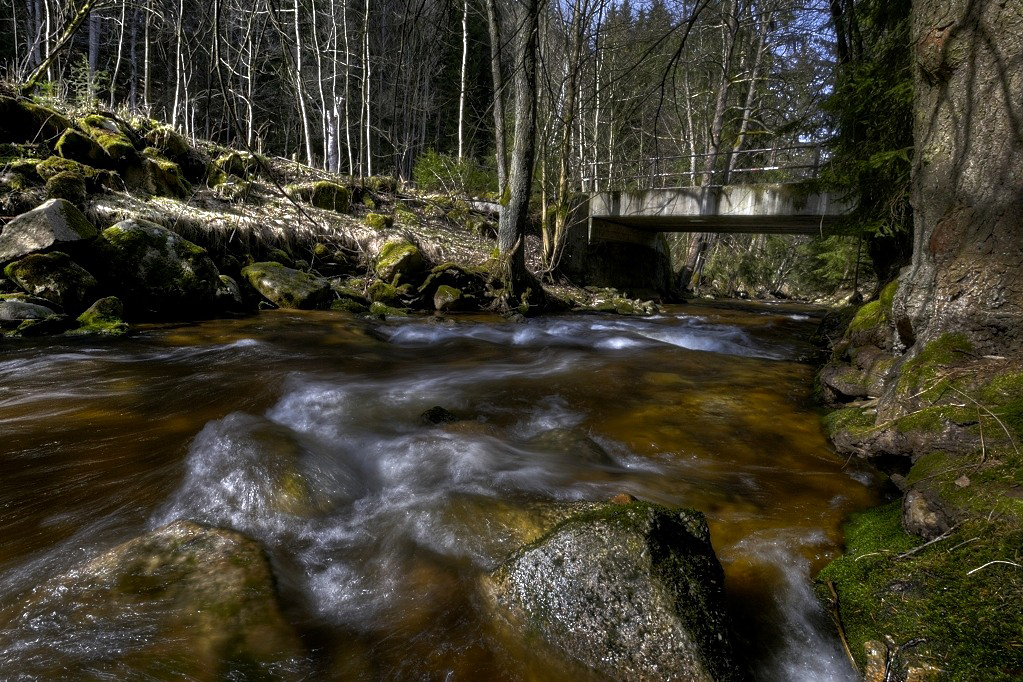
x: 770, y: 209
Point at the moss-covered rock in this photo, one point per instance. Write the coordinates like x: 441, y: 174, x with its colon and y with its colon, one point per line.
x: 67, y: 185
x: 168, y: 141
x: 446, y: 298
x: 102, y: 318
x: 632, y: 591
x: 398, y: 257
x: 77, y: 146
x: 331, y: 196
x: 379, y: 221
x: 280, y: 256
x: 22, y: 120
x: 383, y: 292
x: 204, y: 597
x: 113, y: 139
x: 54, y: 277
x: 381, y: 309
x: 56, y: 223
x: 233, y: 188
x: 286, y: 287
x: 155, y: 271
x: 165, y: 177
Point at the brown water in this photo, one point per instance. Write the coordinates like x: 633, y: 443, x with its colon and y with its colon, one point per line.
x: 703, y: 406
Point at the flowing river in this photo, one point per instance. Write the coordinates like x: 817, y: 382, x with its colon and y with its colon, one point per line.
x: 702, y: 406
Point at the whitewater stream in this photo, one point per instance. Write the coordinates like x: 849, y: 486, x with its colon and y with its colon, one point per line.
x: 701, y: 406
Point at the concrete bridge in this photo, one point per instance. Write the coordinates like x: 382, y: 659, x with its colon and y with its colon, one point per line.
x: 616, y: 239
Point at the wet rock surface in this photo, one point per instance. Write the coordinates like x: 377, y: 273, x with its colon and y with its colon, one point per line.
x: 633, y: 591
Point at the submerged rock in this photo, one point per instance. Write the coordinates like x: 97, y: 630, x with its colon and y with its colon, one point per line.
x: 183, y: 601
x: 573, y: 444
x: 156, y: 270
x: 54, y: 277
x: 633, y: 592
x: 54, y: 223
x: 286, y: 287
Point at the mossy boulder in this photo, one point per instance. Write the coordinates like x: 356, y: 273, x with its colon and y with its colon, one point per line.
x: 331, y: 196
x: 398, y: 257
x: 155, y: 271
x: 286, y: 287
x: 24, y: 121
x: 164, y: 177
x: 631, y: 591
x: 446, y: 298
x: 379, y: 221
x: 229, y: 295
x: 233, y: 188
x: 380, y: 309
x: 571, y: 445
x: 77, y: 146
x: 67, y: 185
x: 57, y: 223
x: 113, y: 139
x: 54, y: 277
x: 383, y: 292
x: 168, y: 141
x: 95, y: 178
x: 102, y: 318
x: 182, y: 601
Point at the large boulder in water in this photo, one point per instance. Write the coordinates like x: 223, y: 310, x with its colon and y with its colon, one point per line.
x: 55, y: 223
x: 632, y: 591
x: 184, y: 601
x: 157, y: 271
x: 54, y: 277
x: 286, y: 287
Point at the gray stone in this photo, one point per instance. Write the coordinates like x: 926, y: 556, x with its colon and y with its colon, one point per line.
x: 54, y: 277
x: 571, y: 444
x: 13, y: 310
x: 922, y: 516
x: 633, y: 592
x: 54, y: 223
x: 286, y: 287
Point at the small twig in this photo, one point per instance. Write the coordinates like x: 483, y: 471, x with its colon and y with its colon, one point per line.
x: 864, y: 556
x: 964, y: 542
x: 837, y: 617
x: 943, y: 536
x: 996, y: 561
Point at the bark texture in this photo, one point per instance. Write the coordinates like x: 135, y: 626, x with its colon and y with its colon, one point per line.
x: 967, y: 269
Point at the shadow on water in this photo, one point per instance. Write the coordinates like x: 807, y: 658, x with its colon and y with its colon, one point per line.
x: 304, y: 431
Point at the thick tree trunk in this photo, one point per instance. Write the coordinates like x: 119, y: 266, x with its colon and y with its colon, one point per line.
x: 967, y: 269
x: 515, y: 212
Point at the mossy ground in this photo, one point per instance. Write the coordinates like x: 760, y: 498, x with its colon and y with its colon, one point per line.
x: 965, y: 609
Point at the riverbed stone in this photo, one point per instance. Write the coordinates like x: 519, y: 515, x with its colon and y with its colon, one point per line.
x: 55, y: 277
x: 632, y: 591
x: 182, y: 601
x: 286, y: 287
x: 156, y: 271
x: 56, y: 223
x: 15, y: 310
x: 571, y: 444
x: 102, y: 318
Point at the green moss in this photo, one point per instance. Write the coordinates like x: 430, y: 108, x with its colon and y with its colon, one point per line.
x: 108, y: 134
x: 102, y: 318
x: 280, y: 256
x: 383, y: 292
x: 68, y: 185
x: 80, y: 147
x: 168, y: 141
x: 331, y: 196
x: 923, y: 370
x: 935, y: 419
x: 851, y: 419
x: 349, y: 306
x: 384, y: 310
x: 379, y: 221
x: 970, y: 619
x: 869, y: 315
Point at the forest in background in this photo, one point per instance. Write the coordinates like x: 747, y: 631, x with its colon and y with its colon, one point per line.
x: 422, y: 89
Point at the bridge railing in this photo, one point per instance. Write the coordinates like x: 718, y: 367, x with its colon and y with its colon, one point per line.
x: 789, y: 164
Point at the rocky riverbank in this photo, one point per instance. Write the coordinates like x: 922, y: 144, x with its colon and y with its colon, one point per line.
x: 101, y: 208
x: 930, y: 583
